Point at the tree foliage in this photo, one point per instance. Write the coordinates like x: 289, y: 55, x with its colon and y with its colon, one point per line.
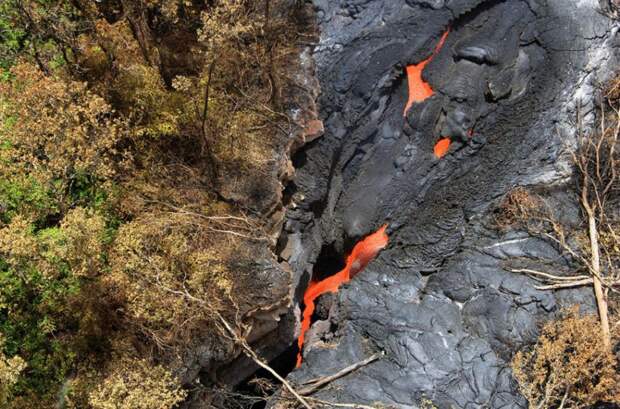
x: 137, y: 384
x: 10, y: 368
x: 137, y: 146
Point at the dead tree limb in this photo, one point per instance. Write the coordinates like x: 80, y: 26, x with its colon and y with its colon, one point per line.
x: 236, y: 336
x: 601, y: 297
x: 252, y: 355
x: 206, y: 142
x: 317, y: 383
x: 569, y: 284
x: 341, y: 405
x: 549, y: 276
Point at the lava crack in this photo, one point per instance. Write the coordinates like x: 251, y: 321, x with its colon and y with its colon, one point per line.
x: 363, y: 253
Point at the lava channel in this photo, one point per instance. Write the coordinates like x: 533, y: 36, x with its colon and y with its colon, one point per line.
x: 363, y: 253
x: 419, y: 90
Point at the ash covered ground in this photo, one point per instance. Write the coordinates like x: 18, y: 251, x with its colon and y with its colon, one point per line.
x: 439, y: 301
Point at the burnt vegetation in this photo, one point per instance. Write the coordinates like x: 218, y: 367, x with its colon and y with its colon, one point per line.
x: 137, y: 181
x: 574, y: 363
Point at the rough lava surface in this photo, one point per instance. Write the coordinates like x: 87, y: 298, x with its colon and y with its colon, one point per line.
x: 439, y: 301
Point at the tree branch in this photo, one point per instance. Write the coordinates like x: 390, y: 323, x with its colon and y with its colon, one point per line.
x: 318, y: 383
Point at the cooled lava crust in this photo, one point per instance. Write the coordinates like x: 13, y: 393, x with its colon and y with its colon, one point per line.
x: 438, y: 300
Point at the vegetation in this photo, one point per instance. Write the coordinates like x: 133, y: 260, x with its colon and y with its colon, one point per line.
x: 136, y: 166
x: 137, y: 384
x: 574, y: 364
x: 569, y: 366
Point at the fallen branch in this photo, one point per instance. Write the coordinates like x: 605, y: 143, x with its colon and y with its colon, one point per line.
x: 240, y: 340
x: 570, y: 284
x: 317, y: 383
x: 252, y: 355
x: 341, y: 405
x: 549, y: 276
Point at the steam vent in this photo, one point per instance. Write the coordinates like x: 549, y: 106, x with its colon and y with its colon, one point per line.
x: 434, y: 111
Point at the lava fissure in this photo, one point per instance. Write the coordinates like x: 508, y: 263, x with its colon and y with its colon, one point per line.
x: 362, y: 254
x: 420, y: 90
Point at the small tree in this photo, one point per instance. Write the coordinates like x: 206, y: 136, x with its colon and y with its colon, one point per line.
x: 597, y: 162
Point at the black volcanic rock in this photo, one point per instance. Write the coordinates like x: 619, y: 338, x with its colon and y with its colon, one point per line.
x: 439, y: 300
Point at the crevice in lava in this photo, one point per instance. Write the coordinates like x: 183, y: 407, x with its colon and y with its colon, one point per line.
x: 362, y: 254
x: 329, y: 262
x: 249, y: 387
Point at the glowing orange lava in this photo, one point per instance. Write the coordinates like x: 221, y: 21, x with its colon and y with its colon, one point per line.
x: 419, y: 89
x: 363, y: 253
x: 441, y: 147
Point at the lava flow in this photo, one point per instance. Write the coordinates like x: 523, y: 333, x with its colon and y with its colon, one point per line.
x: 441, y: 147
x: 363, y: 253
x: 419, y: 90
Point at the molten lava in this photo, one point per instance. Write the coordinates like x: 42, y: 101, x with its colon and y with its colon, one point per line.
x: 363, y: 253
x: 419, y: 89
x: 441, y: 147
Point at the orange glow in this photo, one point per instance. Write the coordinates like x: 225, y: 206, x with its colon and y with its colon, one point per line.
x: 441, y: 147
x: 419, y: 90
x: 363, y: 253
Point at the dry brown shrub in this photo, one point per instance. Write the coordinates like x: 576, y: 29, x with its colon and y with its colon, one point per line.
x: 517, y: 206
x: 155, y: 260
x: 569, y: 365
x: 613, y: 89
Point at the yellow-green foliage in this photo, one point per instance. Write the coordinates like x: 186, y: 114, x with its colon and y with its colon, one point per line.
x: 157, y: 259
x: 57, y: 145
x: 75, y: 247
x: 84, y: 234
x: 58, y: 159
x: 58, y: 129
x: 426, y: 403
x: 137, y: 384
x: 226, y: 22
x: 112, y: 223
x: 10, y: 368
x: 569, y: 364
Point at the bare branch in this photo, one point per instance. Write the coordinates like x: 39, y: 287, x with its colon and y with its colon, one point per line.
x: 251, y: 354
x: 317, y: 383
x: 549, y: 276
x: 569, y: 284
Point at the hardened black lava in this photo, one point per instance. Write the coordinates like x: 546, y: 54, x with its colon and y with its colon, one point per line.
x: 438, y: 301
